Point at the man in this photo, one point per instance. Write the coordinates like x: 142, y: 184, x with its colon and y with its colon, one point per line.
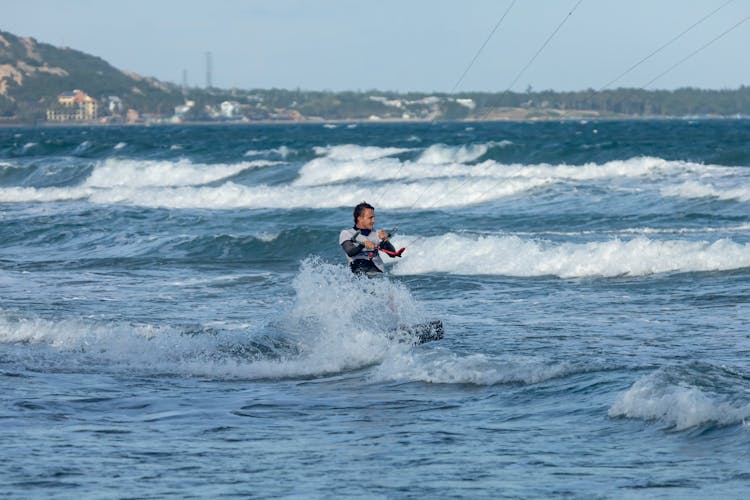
x: 361, y: 243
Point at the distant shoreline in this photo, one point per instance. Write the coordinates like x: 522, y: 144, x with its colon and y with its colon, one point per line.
x: 235, y: 123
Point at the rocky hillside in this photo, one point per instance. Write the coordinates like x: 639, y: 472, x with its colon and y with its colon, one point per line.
x: 32, y: 74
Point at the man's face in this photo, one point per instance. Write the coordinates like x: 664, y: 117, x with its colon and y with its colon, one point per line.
x: 367, y: 219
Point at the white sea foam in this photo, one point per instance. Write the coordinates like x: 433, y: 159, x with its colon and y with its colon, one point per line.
x: 514, y: 256
x: 29, y: 194
x: 356, y: 152
x: 231, y: 195
x: 347, y: 162
x: 321, y: 336
x: 281, y: 151
x: 325, y: 171
x: 321, y: 171
x: 409, y: 183
x: 442, y: 367
x: 439, y: 154
x: 120, y: 145
x: 118, y: 346
x: 267, y: 237
x: 680, y: 405
x: 693, y: 189
x: 643, y: 166
x: 141, y: 173
x: 440, y: 161
x: 640, y: 231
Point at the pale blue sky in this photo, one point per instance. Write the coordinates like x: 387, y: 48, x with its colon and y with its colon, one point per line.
x: 403, y: 45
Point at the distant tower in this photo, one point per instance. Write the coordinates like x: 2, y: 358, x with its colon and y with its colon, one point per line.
x: 184, y: 80
x: 209, y: 70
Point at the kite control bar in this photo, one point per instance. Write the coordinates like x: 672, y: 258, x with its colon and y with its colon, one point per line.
x: 390, y: 233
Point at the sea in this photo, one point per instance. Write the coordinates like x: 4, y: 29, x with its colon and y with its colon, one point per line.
x: 177, y: 319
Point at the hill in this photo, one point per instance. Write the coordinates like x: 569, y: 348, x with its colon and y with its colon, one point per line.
x: 32, y: 74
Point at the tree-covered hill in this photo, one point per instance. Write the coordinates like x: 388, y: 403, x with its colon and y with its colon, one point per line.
x: 32, y: 74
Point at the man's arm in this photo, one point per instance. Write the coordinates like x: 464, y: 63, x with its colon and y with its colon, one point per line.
x: 351, y: 248
x: 388, y: 246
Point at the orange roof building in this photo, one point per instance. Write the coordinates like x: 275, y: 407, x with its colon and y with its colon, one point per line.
x: 74, y: 106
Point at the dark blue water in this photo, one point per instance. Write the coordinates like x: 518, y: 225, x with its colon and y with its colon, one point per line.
x: 176, y: 319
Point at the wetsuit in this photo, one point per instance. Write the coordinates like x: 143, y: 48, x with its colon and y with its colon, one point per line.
x: 362, y: 260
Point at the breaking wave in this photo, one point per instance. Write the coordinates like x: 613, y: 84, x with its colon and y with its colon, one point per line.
x: 438, y: 176
x: 312, y: 338
x: 694, y: 189
x: 514, y: 256
x: 683, y: 398
x: 143, y: 173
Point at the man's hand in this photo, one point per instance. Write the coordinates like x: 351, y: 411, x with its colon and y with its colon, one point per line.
x: 383, y: 235
x: 369, y: 245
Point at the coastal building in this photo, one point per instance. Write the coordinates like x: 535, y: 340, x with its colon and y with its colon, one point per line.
x: 181, y: 111
x: 230, y: 109
x: 73, y: 106
x: 114, y: 104
x: 468, y: 103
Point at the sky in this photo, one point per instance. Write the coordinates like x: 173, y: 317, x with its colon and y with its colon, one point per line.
x: 400, y: 45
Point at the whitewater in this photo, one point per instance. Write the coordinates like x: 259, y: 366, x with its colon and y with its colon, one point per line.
x: 177, y: 319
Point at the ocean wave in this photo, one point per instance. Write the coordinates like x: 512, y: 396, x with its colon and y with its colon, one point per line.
x: 231, y: 195
x: 143, y: 173
x: 282, y: 151
x: 342, y: 176
x: 346, y: 152
x: 322, y: 171
x: 346, y: 163
x: 693, y: 189
x: 189, y: 350
x: 683, y: 400
x: 328, y: 170
x: 30, y: 194
x: 311, y: 338
x: 440, y: 154
x: 514, y: 256
x: 640, y: 231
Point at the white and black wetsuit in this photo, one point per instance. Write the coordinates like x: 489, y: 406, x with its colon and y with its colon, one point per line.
x: 362, y: 260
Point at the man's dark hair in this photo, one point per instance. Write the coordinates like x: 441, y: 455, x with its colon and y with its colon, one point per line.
x: 359, y: 209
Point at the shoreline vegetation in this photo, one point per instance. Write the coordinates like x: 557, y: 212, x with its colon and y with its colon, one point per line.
x: 44, y: 85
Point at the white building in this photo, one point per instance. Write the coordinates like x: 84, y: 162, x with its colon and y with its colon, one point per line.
x: 230, y: 109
